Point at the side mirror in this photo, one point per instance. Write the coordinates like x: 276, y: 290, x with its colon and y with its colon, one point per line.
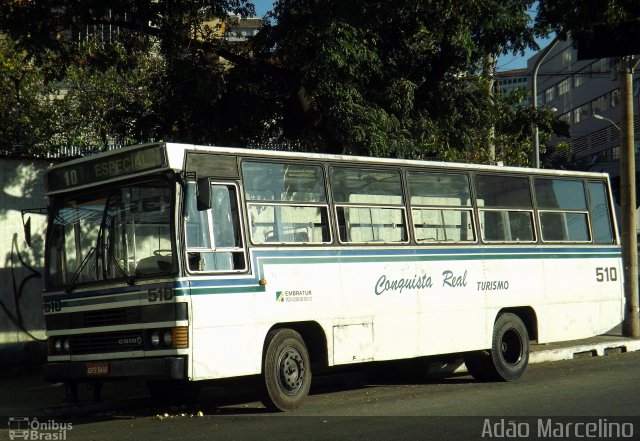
x: 204, y: 194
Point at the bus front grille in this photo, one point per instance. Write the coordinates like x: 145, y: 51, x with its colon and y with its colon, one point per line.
x: 107, y: 342
x: 105, y: 317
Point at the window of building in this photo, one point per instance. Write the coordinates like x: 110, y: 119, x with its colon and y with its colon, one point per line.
x: 579, y: 78
x: 563, y: 87
x: 549, y: 94
x: 581, y: 113
x: 599, y: 105
x: 615, y: 97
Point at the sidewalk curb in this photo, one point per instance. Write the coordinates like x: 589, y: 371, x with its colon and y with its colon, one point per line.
x: 594, y: 349
x: 619, y: 345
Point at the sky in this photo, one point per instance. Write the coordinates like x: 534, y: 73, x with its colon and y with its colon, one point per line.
x: 506, y: 62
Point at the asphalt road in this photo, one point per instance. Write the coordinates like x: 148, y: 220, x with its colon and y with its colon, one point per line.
x: 552, y: 401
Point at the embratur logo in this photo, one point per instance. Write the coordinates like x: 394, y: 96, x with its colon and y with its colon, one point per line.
x: 279, y: 296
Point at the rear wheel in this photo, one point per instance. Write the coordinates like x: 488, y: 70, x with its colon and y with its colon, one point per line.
x: 509, y: 355
x: 286, y: 370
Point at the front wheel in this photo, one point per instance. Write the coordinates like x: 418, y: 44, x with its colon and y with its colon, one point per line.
x: 286, y: 370
x: 509, y: 355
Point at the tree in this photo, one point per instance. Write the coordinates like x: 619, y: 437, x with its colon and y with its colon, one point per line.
x: 26, y: 104
x: 128, y: 71
x: 578, y: 17
x: 387, y: 78
x: 113, y: 104
x: 376, y: 77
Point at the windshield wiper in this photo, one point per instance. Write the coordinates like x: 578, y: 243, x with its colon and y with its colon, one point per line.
x: 79, y: 270
x: 129, y: 279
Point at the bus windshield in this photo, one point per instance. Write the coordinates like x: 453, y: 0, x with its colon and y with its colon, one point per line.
x: 110, y: 234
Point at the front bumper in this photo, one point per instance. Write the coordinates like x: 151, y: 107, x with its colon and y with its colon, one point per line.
x: 165, y: 368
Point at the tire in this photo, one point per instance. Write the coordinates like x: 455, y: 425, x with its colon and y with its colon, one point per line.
x: 286, y: 370
x: 509, y: 355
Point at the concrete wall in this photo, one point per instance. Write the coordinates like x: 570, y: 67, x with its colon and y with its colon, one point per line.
x: 21, y: 267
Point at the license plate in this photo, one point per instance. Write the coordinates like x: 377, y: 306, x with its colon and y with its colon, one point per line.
x: 98, y: 369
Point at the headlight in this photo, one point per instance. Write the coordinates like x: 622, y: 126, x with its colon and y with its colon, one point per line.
x: 58, y: 345
x: 66, y: 346
x: 167, y: 338
x: 155, y: 338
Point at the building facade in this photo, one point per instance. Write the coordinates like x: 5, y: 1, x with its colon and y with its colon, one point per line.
x: 507, y: 81
x: 586, y: 95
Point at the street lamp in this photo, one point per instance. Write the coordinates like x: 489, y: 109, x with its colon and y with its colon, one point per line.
x: 604, y: 118
x: 534, y: 99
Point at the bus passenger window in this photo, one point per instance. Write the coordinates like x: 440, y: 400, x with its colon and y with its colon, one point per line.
x: 441, y: 206
x: 562, y: 210
x: 505, y: 208
x: 286, y: 203
x: 369, y: 205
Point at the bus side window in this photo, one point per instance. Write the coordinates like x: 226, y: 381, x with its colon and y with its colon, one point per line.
x: 505, y: 207
x: 599, y: 213
x: 213, y: 237
x: 286, y: 203
x: 441, y: 206
x: 562, y: 210
x: 369, y: 205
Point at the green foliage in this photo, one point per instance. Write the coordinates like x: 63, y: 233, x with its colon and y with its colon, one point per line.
x: 576, y: 16
x: 26, y: 104
x: 114, y: 103
x: 390, y: 78
x: 395, y: 78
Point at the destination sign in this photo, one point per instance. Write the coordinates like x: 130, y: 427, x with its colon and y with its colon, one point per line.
x: 101, y: 169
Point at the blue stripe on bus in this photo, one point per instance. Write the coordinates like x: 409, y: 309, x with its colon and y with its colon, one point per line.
x: 259, y: 258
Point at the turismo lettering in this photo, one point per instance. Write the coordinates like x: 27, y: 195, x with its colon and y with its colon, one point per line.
x: 493, y: 285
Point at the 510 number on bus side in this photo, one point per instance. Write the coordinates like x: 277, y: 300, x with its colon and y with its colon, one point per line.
x: 606, y: 274
x: 52, y: 306
x: 160, y: 295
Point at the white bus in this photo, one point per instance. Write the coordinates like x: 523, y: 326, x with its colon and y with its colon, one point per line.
x: 176, y: 263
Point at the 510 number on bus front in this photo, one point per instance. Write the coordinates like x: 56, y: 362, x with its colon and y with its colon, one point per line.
x: 606, y: 274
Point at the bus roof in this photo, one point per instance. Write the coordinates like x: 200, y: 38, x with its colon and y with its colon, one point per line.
x: 144, y: 159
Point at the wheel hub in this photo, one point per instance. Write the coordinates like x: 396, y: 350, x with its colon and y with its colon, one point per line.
x: 291, y: 371
x: 511, y: 347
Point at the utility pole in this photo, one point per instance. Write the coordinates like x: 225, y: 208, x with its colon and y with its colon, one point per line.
x: 631, y: 323
x: 489, y: 67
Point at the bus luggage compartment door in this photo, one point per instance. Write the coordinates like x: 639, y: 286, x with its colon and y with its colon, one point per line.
x: 352, y: 343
